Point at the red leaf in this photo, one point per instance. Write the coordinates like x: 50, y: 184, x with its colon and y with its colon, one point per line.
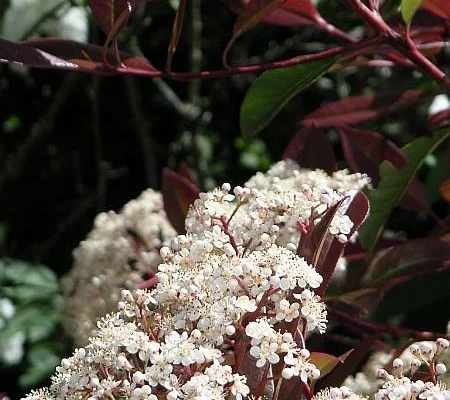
x: 350, y: 365
x: 86, y: 57
x: 438, y: 7
x: 357, y: 209
x: 107, y: 12
x: 294, y: 12
x: 178, y: 193
x: 358, y: 109
x: 365, y: 150
x: 24, y: 54
x: 250, y: 15
x: 311, y: 149
x: 176, y: 33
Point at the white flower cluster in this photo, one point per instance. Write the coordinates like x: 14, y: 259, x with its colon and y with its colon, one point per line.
x: 311, y: 193
x: 121, y: 250
x: 419, y: 356
x: 232, y: 296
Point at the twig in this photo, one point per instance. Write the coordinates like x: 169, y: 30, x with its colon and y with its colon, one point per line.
x: 345, y: 51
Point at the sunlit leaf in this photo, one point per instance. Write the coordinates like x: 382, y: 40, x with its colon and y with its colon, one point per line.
x: 273, y: 89
x: 393, y: 184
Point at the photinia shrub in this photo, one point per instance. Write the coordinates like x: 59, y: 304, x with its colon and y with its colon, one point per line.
x: 230, y: 306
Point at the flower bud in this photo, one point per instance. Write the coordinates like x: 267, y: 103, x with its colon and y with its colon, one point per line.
x: 440, y: 369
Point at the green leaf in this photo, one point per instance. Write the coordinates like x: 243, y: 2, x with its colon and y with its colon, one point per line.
x: 19, y: 272
x: 409, y: 8
x: 273, y: 89
x: 392, y: 186
x: 43, y: 359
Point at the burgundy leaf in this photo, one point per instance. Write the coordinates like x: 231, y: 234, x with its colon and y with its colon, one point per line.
x: 24, y: 54
x: 186, y: 172
x: 354, y: 358
x: 311, y: 244
x: 176, y: 33
x: 250, y: 15
x: 357, y: 209
x: 293, y: 12
x: 311, y: 149
x: 365, y: 150
x: 107, y: 12
x: 178, y: 193
x: 416, y: 257
x: 438, y: 7
x: 86, y: 57
x: 358, y: 109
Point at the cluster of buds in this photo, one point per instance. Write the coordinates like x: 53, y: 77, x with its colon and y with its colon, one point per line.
x: 233, y: 301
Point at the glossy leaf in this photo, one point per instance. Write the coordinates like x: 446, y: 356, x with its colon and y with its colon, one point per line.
x: 176, y: 33
x: 178, y: 193
x: 251, y: 16
x: 408, y: 9
x: 293, y: 12
x: 357, y: 109
x: 310, y: 148
x: 412, y: 258
x: 273, y: 89
x: 357, y: 209
x: 393, y: 183
x: 311, y: 244
x: 326, y: 362
x: 320, y: 248
x: 85, y: 57
x: 364, y: 150
x: 24, y: 54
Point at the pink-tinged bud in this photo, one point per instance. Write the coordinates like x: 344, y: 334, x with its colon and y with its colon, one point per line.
x: 414, y: 349
x: 415, y: 365
x: 382, y: 373
x: 441, y: 345
x: 226, y: 187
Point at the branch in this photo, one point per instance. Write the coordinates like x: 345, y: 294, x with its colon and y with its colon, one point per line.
x: 345, y: 51
x: 403, y: 44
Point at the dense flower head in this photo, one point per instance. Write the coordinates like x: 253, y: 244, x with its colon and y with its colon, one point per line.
x: 118, y: 251
x: 230, y: 292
